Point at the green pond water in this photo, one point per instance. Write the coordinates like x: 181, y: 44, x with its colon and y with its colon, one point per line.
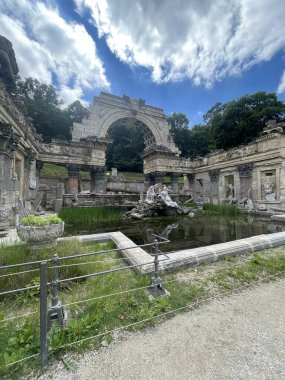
x: 185, y: 232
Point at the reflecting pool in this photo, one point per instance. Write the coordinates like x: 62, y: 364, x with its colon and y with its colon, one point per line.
x: 185, y: 232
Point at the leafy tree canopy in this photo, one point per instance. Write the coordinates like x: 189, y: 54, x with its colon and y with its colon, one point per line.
x: 127, y: 148
x: 178, y: 121
x: 44, y: 107
x: 227, y: 125
x: 242, y: 120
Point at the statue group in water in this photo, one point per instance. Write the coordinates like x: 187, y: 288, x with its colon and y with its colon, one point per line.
x: 157, y: 203
x: 154, y: 194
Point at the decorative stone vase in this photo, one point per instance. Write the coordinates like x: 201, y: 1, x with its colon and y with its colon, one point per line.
x: 40, y: 237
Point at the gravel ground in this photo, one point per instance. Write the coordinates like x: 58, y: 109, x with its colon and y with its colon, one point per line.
x: 238, y: 337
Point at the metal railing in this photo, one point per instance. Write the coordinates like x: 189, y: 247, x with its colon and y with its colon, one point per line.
x: 56, y: 311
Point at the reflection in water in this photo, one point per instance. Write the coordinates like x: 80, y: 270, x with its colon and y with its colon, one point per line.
x: 184, y: 232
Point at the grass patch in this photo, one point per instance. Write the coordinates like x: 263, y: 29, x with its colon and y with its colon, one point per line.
x: 59, y: 171
x: 20, y: 339
x: 91, y: 216
x: 21, y: 253
x: 223, y: 210
x: 190, y: 204
x: 132, y: 176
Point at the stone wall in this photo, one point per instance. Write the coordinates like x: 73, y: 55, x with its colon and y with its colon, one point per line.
x: 255, y: 171
x: 18, y: 158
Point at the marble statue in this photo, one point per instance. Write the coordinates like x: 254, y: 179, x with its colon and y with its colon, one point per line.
x: 166, y: 198
x: 150, y: 195
x: 269, y: 190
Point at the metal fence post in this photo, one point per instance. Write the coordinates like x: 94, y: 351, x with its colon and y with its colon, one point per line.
x: 56, y: 311
x: 43, y: 314
x: 156, y: 287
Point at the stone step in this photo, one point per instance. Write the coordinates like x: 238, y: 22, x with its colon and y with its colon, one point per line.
x: 278, y: 217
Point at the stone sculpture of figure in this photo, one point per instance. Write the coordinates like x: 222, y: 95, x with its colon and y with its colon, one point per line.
x: 231, y: 191
x: 150, y: 195
x: 166, y: 232
x: 269, y: 190
x: 166, y: 198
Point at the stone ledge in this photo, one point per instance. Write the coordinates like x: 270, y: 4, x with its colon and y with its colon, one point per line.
x: 183, y: 258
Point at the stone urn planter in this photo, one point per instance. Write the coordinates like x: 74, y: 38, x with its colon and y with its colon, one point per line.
x: 40, y: 236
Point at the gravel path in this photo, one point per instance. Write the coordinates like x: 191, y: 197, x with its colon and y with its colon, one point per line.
x: 238, y: 337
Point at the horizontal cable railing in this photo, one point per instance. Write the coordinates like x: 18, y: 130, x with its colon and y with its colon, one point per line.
x: 46, y: 312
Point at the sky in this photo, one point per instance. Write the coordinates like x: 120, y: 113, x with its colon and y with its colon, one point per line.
x: 180, y: 55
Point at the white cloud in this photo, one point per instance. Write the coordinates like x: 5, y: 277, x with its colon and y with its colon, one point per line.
x: 281, y: 87
x: 202, y: 40
x: 48, y: 46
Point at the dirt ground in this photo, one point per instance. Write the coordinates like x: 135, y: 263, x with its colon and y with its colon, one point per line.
x: 241, y: 336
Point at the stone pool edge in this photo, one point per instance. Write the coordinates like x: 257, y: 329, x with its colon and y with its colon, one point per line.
x: 187, y: 257
x: 142, y: 261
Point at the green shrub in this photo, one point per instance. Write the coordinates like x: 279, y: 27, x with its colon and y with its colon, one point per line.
x: 38, y: 221
x: 91, y: 216
x: 224, y: 209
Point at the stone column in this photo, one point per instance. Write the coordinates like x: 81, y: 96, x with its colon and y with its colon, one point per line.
x: 148, y: 181
x: 282, y: 184
x: 98, y: 179
x: 72, y: 181
x: 158, y: 177
x: 39, y: 166
x: 174, y: 182
x: 28, y: 176
x: 214, y: 185
x: 244, y: 190
x: 191, y: 181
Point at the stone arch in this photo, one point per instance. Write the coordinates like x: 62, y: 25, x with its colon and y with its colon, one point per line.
x: 108, y: 109
x: 113, y: 118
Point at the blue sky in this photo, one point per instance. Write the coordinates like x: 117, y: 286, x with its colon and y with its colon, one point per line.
x: 182, y: 55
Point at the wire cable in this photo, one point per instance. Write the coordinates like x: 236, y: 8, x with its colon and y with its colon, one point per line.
x: 192, y: 305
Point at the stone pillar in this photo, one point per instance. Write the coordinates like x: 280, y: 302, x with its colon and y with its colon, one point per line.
x: 174, y: 182
x: 282, y: 184
x: 72, y: 181
x: 158, y: 177
x: 148, y: 181
x: 98, y: 179
x: 191, y: 181
x: 214, y: 185
x: 244, y: 190
x: 39, y: 166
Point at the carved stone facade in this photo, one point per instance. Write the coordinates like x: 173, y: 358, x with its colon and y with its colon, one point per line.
x: 108, y: 110
x: 255, y: 171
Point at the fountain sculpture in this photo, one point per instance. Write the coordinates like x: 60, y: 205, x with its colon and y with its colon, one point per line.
x: 158, y: 203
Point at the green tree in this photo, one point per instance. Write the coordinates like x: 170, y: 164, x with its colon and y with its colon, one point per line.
x: 179, y: 128
x: 127, y: 148
x: 241, y: 120
x: 43, y: 106
x: 200, y: 141
x: 76, y: 111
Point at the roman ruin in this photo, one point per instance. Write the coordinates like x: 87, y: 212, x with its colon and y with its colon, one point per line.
x: 252, y: 176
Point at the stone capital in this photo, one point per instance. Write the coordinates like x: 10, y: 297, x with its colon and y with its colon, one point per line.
x: 29, y: 158
x: 175, y: 176
x: 73, y: 170
x: 9, y: 140
x: 191, y: 178
x: 97, y: 172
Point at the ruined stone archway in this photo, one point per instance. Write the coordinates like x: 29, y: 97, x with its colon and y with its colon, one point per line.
x: 108, y: 109
x: 149, y: 138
